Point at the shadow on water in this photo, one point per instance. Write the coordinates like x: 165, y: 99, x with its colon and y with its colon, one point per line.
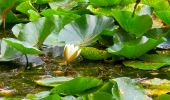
x: 13, y: 76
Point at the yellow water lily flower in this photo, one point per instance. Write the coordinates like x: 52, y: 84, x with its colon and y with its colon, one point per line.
x: 71, y: 52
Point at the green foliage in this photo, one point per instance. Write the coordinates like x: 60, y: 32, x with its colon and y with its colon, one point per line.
x: 77, y: 86
x: 23, y: 47
x: 85, y: 30
x: 94, y: 54
x: 136, y: 25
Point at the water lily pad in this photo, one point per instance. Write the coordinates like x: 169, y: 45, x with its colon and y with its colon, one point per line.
x: 36, y: 32
x: 23, y: 47
x: 130, y: 89
x: 94, y: 53
x: 8, y: 53
x: 77, y: 85
x: 133, y: 48
x: 136, y: 25
x: 85, y: 30
x: 144, y: 65
x: 53, y: 82
x: 156, y: 86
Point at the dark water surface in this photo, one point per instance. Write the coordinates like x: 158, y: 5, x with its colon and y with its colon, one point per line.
x: 14, y: 77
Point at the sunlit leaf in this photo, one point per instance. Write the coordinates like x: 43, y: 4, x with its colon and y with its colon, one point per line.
x: 85, y: 30
x: 35, y: 33
x: 132, y: 47
x: 25, y: 6
x: 23, y: 47
x: 156, y: 86
x: 8, y: 53
x: 33, y: 15
x: 38, y: 96
x: 77, y: 85
x: 136, y: 25
x: 130, y: 89
x: 52, y: 82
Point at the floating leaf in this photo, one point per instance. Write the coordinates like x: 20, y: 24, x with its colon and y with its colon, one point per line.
x: 144, y: 65
x: 130, y: 89
x: 136, y: 25
x: 24, y: 47
x: 38, y: 96
x: 33, y: 15
x: 156, y: 58
x: 53, y: 82
x: 85, y: 30
x: 156, y: 86
x: 8, y: 53
x: 130, y: 47
x: 77, y: 85
x: 94, y: 54
x: 35, y: 33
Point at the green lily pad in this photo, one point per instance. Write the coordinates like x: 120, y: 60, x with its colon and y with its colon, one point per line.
x: 53, y: 82
x: 144, y: 65
x: 136, y: 25
x: 130, y: 89
x: 44, y: 30
x: 8, y: 53
x: 94, y: 53
x: 77, y: 85
x: 23, y: 47
x: 156, y: 86
x: 85, y: 30
x: 132, y: 48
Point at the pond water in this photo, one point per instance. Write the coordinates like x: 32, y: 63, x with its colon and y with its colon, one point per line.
x: 21, y: 82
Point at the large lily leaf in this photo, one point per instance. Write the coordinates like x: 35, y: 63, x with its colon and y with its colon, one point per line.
x: 136, y: 25
x: 156, y: 86
x: 144, y: 65
x: 132, y: 47
x: 8, y: 53
x: 24, y: 47
x: 157, y: 4
x: 150, y: 62
x: 85, y: 30
x: 77, y: 85
x: 36, y: 32
x: 130, y: 89
x: 164, y: 16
